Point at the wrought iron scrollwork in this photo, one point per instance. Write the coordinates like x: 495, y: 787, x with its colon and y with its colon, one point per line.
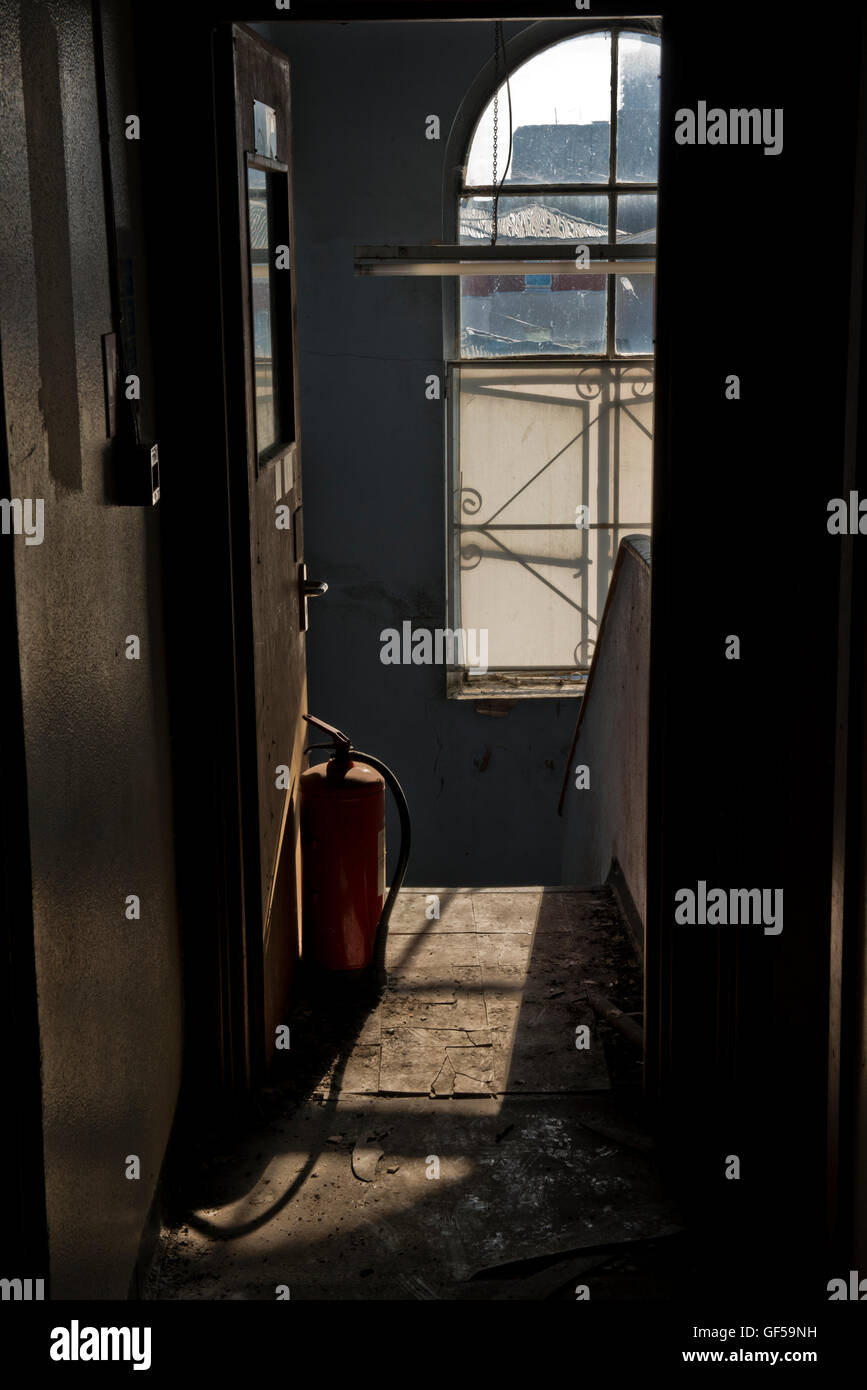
x: 583, y: 653
x: 471, y: 555
x: 641, y: 387
x: 588, y: 385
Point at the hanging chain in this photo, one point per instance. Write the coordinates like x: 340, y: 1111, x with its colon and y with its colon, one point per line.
x: 496, y: 126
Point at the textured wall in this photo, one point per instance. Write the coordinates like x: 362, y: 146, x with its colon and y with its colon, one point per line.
x: 95, y: 722
x: 608, y: 819
x: 482, y: 790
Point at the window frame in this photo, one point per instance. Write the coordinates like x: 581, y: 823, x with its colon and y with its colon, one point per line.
x: 282, y: 317
x: 525, y: 681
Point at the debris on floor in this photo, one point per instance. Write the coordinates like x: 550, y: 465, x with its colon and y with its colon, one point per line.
x: 467, y: 1135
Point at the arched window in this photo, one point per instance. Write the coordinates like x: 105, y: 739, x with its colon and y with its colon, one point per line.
x: 552, y: 373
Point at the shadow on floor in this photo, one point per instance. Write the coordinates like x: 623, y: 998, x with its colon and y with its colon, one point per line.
x: 470, y: 1133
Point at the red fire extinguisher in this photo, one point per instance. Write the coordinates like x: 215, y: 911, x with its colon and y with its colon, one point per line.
x: 345, y: 911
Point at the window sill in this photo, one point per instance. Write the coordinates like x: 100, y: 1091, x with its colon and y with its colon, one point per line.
x: 512, y: 685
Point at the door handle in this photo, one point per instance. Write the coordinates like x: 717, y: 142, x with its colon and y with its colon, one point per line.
x: 307, y: 589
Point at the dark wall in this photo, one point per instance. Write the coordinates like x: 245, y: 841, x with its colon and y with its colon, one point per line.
x: 94, y: 722
x: 197, y: 531
x: 482, y: 790
x: 847, y: 1127
x: 742, y: 752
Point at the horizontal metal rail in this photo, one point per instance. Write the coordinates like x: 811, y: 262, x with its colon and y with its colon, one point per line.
x: 556, y: 190
x: 546, y: 250
x: 637, y: 259
x: 445, y: 269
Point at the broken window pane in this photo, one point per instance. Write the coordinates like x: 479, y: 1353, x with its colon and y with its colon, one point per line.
x: 508, y: 315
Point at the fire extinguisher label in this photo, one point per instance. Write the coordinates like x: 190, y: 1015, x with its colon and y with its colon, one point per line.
x: 380, y: 855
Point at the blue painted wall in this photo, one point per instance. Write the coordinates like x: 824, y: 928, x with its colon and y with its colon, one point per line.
x: 373, y: 450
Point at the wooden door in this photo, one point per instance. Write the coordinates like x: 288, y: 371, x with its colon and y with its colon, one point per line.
x: 264, y: 468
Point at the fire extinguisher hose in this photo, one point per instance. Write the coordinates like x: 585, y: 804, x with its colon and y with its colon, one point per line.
x: 377, y: 964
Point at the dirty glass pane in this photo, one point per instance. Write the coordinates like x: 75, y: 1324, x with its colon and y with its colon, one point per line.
x: 638, y: 108
x: 537, y: 218
x: 263, y: 308
x: 561, y: 111
x: 633, y: 314
x: 633, y: 295
x: 548, y: 311
x: 636, y: 217
x: 505, y: 315
x: 535, y: 443
x: 265, y: 129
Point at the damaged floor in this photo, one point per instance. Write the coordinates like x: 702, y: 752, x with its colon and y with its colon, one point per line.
x: 468, y: 1135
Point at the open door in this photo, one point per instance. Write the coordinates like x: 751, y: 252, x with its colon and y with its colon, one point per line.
x: 268, y: 580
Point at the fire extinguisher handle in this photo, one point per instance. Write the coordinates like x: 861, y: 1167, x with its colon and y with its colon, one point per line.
x: 342, y: 742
